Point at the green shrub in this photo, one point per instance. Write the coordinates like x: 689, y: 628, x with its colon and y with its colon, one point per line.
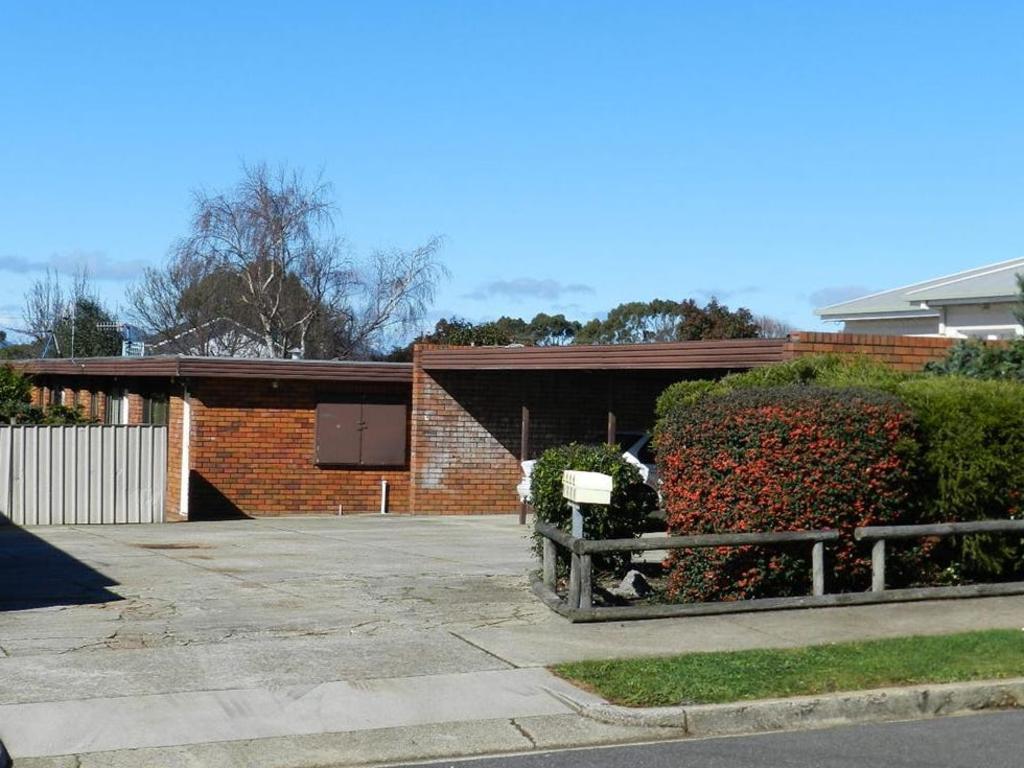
x: 824, y: 370
x: 64, y: 415
x: 683, y: 394
x: 970, y: 431
x: 788, y: 458
x: 16, y: 403
x: 15, y: 387
x: 972, y: 434
x: 976, y: 359
x: 16, y: 398
x: 631, y: 502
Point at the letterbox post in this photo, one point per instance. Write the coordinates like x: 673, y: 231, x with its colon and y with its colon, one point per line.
x: 583, y: 488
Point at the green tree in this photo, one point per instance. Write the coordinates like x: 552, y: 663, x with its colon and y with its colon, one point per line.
x: 53, y: 314
x: 553, y: 330
x: 86, y: 323
x: 640, y: 322
x: 19, y: 351
x: 714, y: 321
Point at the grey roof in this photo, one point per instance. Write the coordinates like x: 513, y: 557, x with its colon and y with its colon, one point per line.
x: 990, y: 283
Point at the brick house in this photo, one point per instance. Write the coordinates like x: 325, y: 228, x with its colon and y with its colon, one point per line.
x: 443, y: 435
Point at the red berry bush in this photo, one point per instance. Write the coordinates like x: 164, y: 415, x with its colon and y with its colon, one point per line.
x: 781, y: 459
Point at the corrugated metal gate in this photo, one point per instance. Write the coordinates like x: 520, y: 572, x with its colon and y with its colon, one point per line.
x: 82, y: 474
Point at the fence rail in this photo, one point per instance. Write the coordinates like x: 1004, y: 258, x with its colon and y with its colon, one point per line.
x: 578, y: 603
x: 581, y: 587
x: 73, y: 475
x: 879, y: 534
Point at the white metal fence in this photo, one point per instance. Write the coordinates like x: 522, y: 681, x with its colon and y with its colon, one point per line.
x: 82, y: 474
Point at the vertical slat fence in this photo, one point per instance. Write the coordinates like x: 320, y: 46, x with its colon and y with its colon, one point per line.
x: 75, y: 475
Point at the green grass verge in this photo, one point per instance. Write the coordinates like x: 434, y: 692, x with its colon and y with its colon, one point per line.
x: 706, y: 678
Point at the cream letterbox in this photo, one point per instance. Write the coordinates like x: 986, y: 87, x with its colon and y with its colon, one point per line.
x: 586, y: 487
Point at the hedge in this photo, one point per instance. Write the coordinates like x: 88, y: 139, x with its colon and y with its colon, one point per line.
x: 972, y: 465
x: 970, y: 438
x: 776, y: 459
x: 825, y: 370
x: 631, y: 503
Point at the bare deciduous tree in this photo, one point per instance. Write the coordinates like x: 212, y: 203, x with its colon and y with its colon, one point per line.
x: 266, y: 256
x: 772, y: 328
x: 47, y: 303
x: 69, y: 321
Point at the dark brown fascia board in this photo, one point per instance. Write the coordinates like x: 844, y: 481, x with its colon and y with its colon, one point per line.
x: 719, y: 355
x: 173, y: 366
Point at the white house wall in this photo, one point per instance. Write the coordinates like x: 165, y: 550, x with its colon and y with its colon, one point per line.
x: 982, y: 319
x: 910, y: 326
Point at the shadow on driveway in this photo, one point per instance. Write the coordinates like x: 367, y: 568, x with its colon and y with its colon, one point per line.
x: 35, y: 574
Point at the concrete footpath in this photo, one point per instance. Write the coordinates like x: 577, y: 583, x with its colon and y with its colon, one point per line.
x: 331, y: 641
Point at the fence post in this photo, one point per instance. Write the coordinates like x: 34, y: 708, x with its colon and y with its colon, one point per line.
x: 586, y: 582
x: 818, y: 568
x: 550, y: 561
x: 878, y: 566
x: 575, y: 568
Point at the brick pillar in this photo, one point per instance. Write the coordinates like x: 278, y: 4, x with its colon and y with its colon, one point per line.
x: 84, y: 402
x: 416, y: 446
x: 134, y: 408
x: 172, y: 500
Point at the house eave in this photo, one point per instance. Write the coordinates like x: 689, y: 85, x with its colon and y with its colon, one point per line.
x: 181, y: 366
x: 973, y: 300
x: 899, y: 315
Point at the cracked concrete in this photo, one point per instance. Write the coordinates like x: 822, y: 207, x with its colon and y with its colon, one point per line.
x: 238, y: 612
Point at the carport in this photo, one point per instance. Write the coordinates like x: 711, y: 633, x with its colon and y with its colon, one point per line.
x: 479, y: 411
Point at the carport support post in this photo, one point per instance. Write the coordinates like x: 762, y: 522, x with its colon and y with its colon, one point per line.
x: 612, y: 427
x: 818, y: 568
x: 524, y: 455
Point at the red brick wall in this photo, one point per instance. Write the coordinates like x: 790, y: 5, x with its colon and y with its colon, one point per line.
x: 905, y: 353
x: 79, y: 390
x: 252, y: 451
x: 134, y: 408
x: 172, y: 499
x: 466, y: 427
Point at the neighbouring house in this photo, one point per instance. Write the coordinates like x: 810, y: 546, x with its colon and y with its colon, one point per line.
x: 978, y: 303
x: 442, y: 435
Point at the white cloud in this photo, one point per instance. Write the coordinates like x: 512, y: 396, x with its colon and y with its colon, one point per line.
x: 835, y: 294
x: 527, y: 288
x: 98, y: 265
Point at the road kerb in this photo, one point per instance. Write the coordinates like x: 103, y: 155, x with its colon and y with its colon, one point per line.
x: 810, y: 712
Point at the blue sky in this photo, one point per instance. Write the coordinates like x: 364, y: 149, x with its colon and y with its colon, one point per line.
x: 574, y: 155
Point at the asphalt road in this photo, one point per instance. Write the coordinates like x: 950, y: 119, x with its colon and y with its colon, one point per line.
x: 990, y: 741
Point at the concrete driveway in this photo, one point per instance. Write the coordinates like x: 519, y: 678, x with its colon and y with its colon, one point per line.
x: 144, y: 637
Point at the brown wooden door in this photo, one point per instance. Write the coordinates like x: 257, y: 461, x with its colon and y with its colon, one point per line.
x: 338, y: 428
x: 383, y: 435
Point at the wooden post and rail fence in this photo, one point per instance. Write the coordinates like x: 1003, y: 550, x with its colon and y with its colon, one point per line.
x: 578, y: 603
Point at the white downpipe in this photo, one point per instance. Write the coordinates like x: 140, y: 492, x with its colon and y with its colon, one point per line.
x: 186, y: 435
x: 383, y: 497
